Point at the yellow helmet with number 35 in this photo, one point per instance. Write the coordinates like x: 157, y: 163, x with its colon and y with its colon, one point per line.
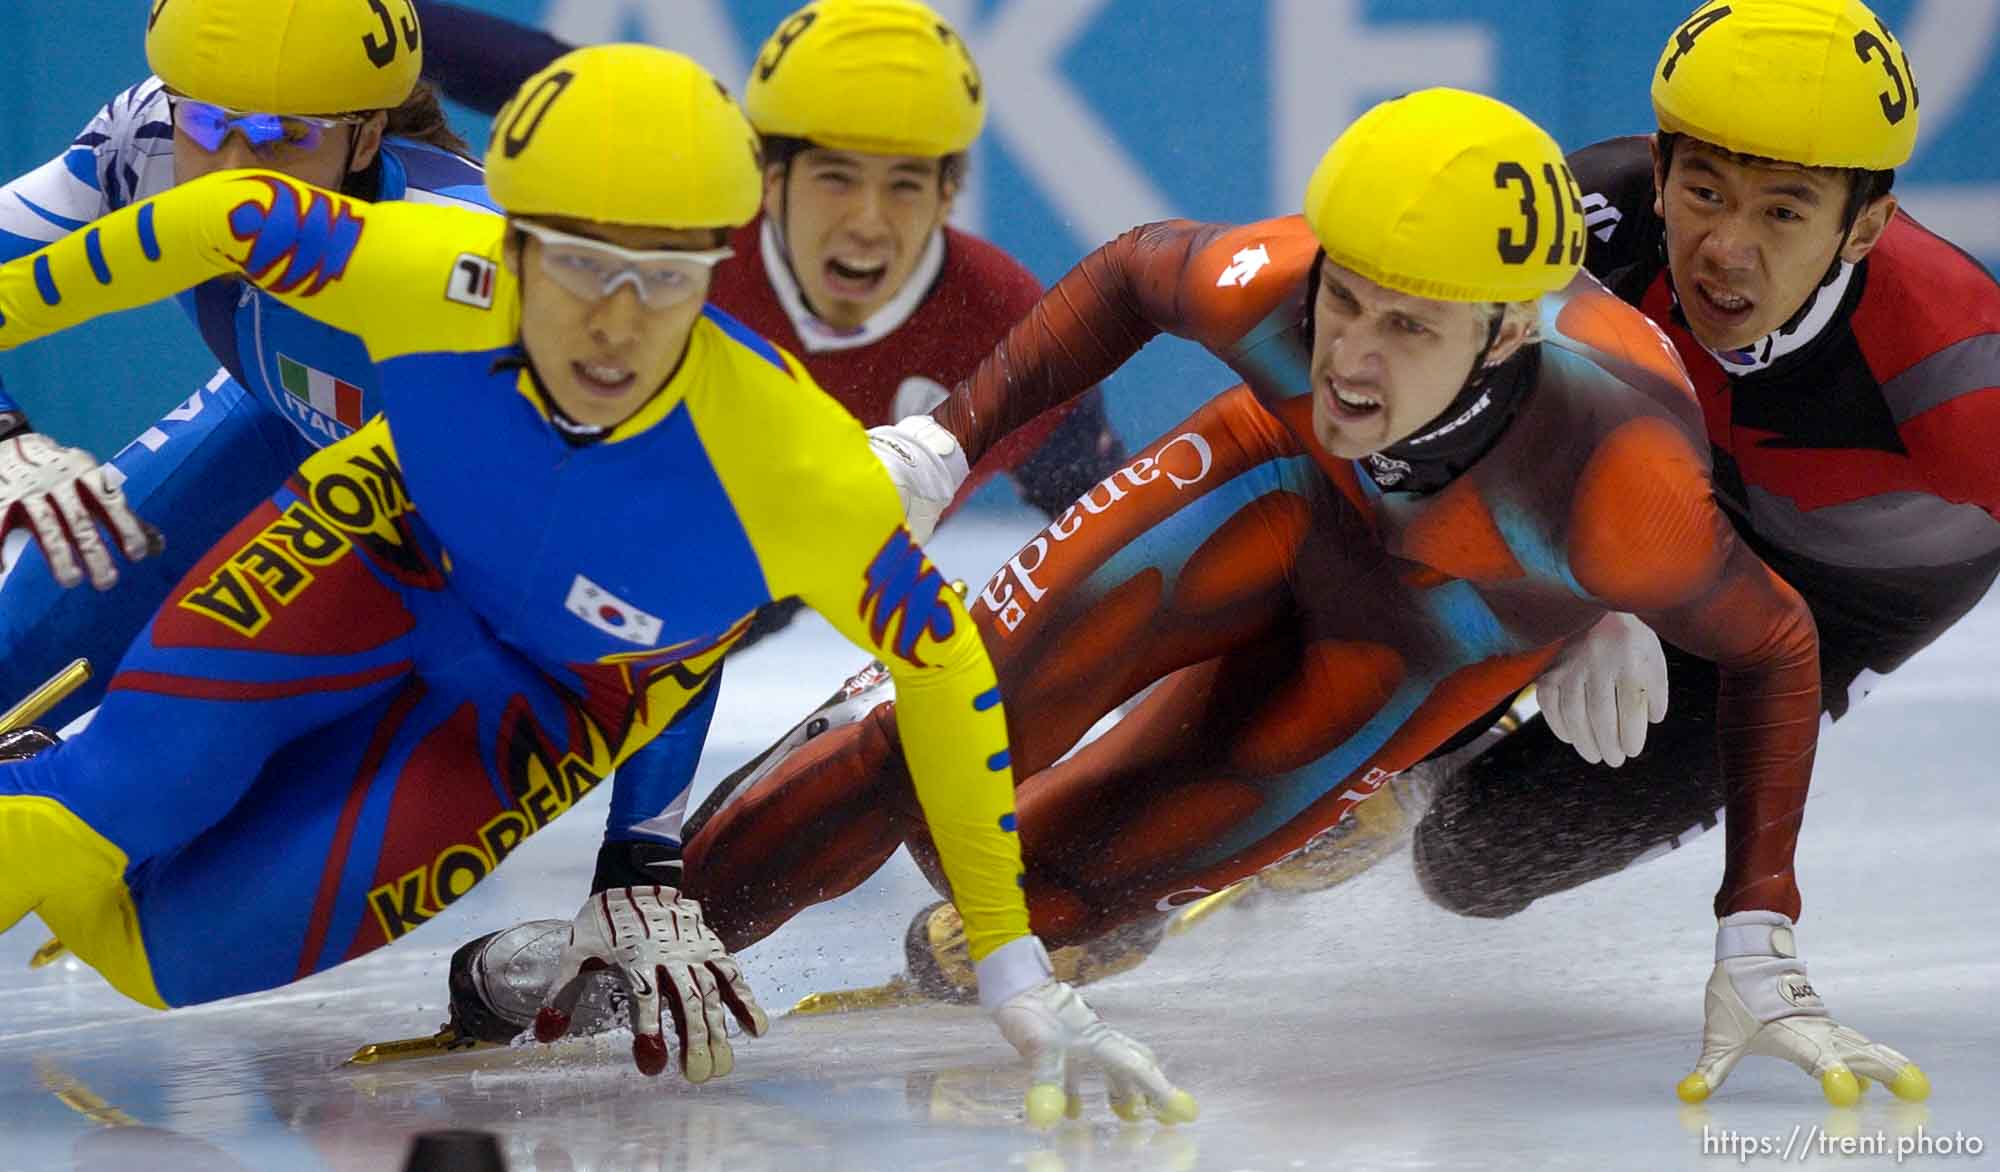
x: 287, y: 56
x: 1820, y: 83
x: 625, y: 134
x: 887, y: 77
x: 1449, y: 195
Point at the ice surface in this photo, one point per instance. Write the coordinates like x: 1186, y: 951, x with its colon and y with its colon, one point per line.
x: 1361, y: 1028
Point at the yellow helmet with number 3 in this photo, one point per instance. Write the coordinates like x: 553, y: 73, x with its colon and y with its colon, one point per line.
x: 1820, y: 83
x: 887, y: 77
x: 625, y: 134
x: 287, y: 56
x: 1449, y: 195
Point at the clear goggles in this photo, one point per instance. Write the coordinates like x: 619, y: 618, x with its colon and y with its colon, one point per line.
x: 209, y: 126
x: 594, y: 269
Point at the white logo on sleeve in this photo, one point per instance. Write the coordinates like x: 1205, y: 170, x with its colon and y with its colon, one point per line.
x: 611, y: 614
x: 1244, y: 267
x: 471, y: 281
x: 1600, y: 217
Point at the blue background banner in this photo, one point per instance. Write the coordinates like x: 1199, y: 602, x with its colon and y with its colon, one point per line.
x: 1105, y: 113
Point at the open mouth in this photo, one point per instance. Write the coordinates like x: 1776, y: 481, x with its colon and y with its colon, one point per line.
x: 855, y: 278
x: 1721, y: 305
x: 603, y: 378
x: 1348, y: 404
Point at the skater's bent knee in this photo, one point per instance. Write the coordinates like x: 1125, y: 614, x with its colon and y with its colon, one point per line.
x: 1452, y: 883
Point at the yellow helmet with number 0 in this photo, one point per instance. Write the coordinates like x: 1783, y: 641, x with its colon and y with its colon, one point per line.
x: 1821, y: 83
x: 888, y: 77
x: 625, y: 134
x: 1449, y: 195
x: 287, y: 56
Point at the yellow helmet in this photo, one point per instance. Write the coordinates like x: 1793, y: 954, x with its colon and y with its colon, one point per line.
x: 1449, y: 195
x: 625, y: 134
x: 1821, y: 83
x: 287, y: 56
x: 888, y: 77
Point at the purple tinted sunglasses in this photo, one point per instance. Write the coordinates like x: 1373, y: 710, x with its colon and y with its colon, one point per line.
x: 210, y: 125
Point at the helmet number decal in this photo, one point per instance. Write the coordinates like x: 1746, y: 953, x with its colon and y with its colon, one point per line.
x: 382, y: 50
x: 781, y: 42
x: 1868, y: 46
x: 1568, y: 203
x: 529, y: 109
x: 1563, y: 185
x: 1513, y: 251
x: 973, y: 86
x: 1696, y: 25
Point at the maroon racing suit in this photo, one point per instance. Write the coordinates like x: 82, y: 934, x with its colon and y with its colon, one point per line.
x: 1854, y: 450
x: 956, y: 319
x: 1315, y: 625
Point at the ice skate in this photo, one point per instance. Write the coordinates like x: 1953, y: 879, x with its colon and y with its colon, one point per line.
x: 939, y: 968
x: 856, y: 698
x: 497, y: 983
x: 1374, y: 830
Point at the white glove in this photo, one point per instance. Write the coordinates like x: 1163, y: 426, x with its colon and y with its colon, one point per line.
x: 1053, y: 1028
x: 62, y: 495
x: 1607, y: 685
x: 927, y: 466
x: 655, y: 941
x: 1759, y: 1002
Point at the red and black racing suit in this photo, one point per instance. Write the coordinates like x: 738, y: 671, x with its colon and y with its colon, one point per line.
x: 1854, y: 451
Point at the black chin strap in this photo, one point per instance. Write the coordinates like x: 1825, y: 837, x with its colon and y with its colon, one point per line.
x: 575, y: 434
x: 785, y: 243
x: 367, y: 182
x: 1464, y: 431
x: 1468, y: 391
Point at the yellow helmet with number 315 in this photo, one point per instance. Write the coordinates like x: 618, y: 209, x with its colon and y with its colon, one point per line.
x: 887, y: 77
x: 287, y: 56
x: 1449, y: 195
x: 625, y: 134
x: 1820, y: 83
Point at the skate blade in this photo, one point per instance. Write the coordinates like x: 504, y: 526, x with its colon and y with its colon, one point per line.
x: 446, y: 1041
x: 49, y: 953
x: 896, y: 992
x: 1208, y: 905
x: 72, y: 1093
x: 39, y: 702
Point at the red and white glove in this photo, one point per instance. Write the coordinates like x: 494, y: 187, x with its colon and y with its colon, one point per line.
x: 1759, y: 1002
x: 926, y: 464
x: 654, y: 941
x: 62, y: 495
x: 1056, y: 1031
x: 1608, y: 684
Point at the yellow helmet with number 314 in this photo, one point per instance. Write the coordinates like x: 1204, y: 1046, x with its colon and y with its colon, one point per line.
x: 887, y: 77
x: 625, y: 134
x: 287, y: 56
x: 1820, y: 83
x: 1449, y: 195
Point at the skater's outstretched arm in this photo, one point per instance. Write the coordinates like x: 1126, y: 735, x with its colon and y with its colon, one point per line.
x: 379, y: 271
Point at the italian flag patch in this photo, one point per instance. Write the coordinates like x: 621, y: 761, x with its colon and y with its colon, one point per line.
x: 332, y: 397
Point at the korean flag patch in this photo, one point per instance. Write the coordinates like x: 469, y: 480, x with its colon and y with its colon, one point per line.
x: 611, y: 614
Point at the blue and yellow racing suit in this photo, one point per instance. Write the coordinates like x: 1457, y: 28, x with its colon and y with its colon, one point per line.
x: 288, y: 386
x: 452, y: 623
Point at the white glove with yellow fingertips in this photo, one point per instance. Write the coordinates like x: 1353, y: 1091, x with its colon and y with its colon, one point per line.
x: 1759, y: 1002
x: 1057, y: 1031
x: 926, y: 464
